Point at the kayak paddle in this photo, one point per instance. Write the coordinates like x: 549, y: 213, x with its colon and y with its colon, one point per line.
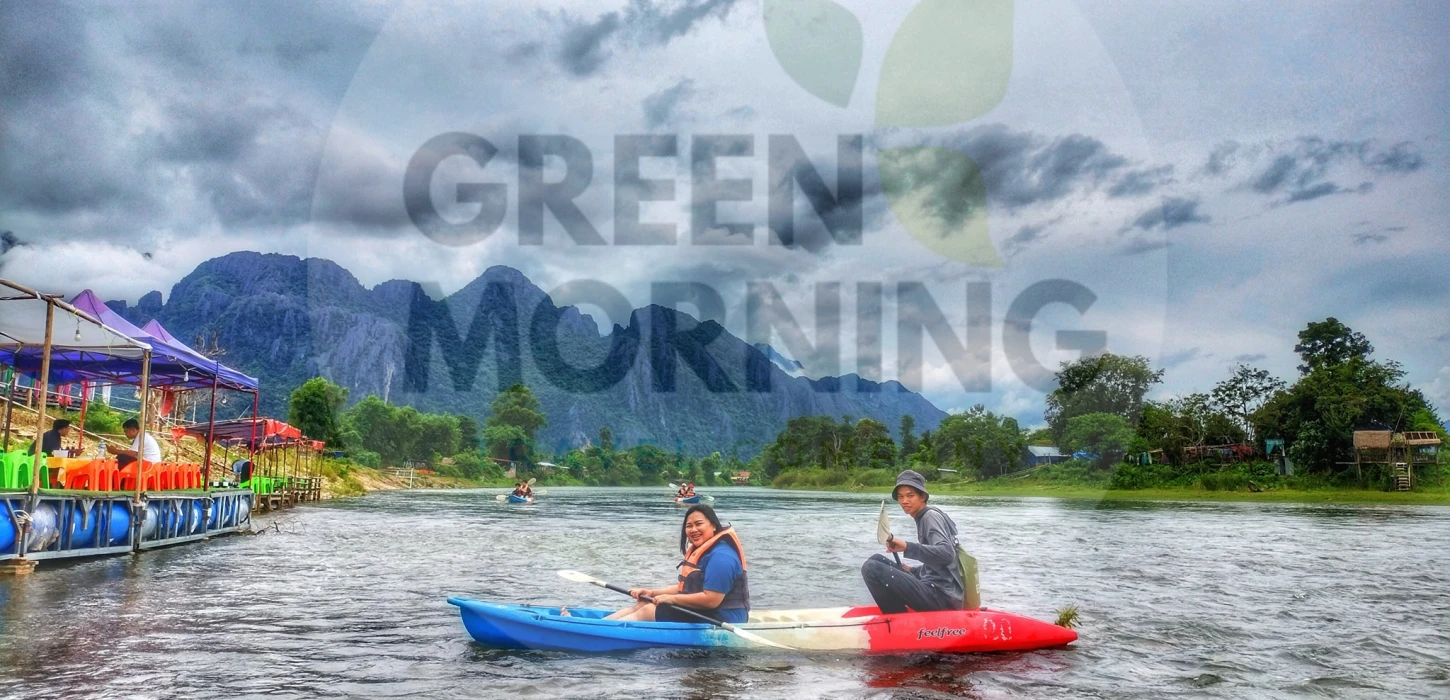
x: 883, y: 533
x: 578, y: 577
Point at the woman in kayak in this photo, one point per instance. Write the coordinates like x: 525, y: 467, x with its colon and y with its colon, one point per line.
x: 712, y: 576
x: 937, y: 583
x: 522, y: 490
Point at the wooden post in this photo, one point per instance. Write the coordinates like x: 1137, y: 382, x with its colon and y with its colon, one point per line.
x: 10, y: 408
x: 40, y: 413
x: 210, y: 435
x: 81, y: 429
x: 141, y: 437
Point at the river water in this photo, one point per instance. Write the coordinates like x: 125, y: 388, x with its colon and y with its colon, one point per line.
x: 346, y: 599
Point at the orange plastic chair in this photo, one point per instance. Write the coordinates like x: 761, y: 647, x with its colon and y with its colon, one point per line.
x: 95, y: 475
x: 189, y: 476
x: 150, y: 477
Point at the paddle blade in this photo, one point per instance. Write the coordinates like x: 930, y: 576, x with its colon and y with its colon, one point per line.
x: 672, y: 486
x: 883, y: 526
x: 755, y: 638
x: 501, y: 497
x: 531, y: 481
x: 578, y: 577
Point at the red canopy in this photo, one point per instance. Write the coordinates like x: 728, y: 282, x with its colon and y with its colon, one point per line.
x: 266, y: 431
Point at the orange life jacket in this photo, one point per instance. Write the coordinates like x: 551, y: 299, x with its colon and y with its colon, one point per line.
x: 692, y: 577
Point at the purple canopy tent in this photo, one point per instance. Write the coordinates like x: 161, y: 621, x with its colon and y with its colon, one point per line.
x: 172, y: 365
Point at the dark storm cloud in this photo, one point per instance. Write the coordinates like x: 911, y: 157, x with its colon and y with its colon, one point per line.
x: 1300, y: 171
x: 114, y: 116
x: 586, y: 46
x: 1135, y: 183
x: 659, y: 108
x: 581, y: 50
x: 1023, y: 169
x: 1174, y: 212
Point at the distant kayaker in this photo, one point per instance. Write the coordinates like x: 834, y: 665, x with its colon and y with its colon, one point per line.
x: 521, y: 490
x: 937, y: 583
x: 712, y: 577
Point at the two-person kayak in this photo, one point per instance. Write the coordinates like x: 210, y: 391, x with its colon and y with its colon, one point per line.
x: 681, y: 500
x: 862, y: 629
x: 520, y: 499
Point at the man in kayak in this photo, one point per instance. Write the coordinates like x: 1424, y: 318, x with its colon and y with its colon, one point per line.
x: 934, y: 585
x: 712, y: 577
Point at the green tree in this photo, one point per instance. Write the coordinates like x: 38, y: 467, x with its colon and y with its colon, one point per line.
x: 315, y: 408
x: 508, y: 442
x: 1244, y: 393
x: 980, y: 442
x: 709, y: 465
x: 514, y: 419
x: 872, y: 445
x: 467, y: 434
x: 908, y: 438
x: 1107, y: 435
x: 1327, y: 343
x: 1105, y: 383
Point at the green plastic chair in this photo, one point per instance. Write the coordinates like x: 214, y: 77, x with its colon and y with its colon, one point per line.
x: 15, y: 468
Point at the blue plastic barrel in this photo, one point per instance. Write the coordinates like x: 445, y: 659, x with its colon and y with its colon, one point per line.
x: 84, y: 525
x: 7, y: 528
x: 120, y: 525
x: 195, y: 523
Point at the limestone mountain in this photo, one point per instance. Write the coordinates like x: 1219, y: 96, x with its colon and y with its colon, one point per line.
x: 666, y: 378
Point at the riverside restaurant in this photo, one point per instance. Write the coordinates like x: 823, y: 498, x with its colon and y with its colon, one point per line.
x: 69, y: 504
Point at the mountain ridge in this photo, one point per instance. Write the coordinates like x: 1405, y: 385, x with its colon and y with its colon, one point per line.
x: 665, y: 378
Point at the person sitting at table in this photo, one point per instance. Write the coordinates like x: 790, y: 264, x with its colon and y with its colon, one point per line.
x: 151, y: 452
x: 50, y: 439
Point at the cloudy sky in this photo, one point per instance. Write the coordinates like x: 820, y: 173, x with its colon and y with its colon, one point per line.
x: 1214, y: 175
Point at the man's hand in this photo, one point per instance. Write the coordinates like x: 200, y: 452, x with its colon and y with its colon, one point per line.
x: 895, y: 546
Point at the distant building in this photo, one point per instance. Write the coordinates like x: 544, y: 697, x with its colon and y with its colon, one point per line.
x: 741, y: 478
x: 1038, y: 455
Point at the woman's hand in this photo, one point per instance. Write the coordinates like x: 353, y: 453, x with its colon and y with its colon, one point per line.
x: 665, y: 598
x: 637, y: 592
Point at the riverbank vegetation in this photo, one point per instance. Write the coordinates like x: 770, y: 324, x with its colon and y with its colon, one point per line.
x: 1252, y: 433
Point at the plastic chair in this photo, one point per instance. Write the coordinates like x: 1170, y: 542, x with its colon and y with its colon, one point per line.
x: 189, y: 476
x: 150, y: 478
x: 14, y: 470
x: 96, y: 475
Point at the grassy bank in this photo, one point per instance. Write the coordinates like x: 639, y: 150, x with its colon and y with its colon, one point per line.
x: 1030, y: 488
x: 1283, y: 495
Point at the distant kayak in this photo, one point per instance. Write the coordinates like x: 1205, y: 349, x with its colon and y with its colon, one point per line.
x: 692, y: 499
x: 862, y: 629
x: 520, y: 499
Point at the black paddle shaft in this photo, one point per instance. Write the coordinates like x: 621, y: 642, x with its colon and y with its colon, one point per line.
x: 896, y: 554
